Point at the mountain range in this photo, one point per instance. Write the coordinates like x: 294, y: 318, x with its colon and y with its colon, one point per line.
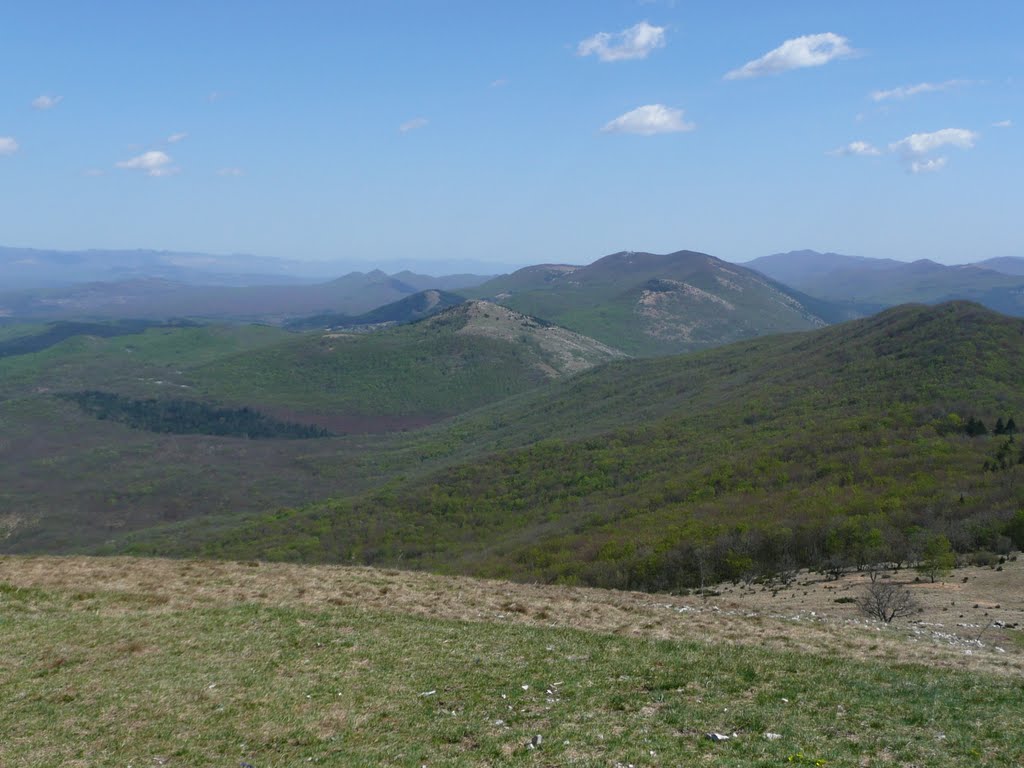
x: 869, y: 284
x: 159, y: 298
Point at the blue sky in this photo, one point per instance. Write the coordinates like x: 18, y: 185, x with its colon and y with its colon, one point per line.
x: 515, y: 133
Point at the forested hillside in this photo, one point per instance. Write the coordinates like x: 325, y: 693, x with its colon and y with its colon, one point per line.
x: 836, y: 448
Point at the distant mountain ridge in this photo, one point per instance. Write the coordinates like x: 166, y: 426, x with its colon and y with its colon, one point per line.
x: 872, y: 283
x: 35, y: 268
x: 159, y: 298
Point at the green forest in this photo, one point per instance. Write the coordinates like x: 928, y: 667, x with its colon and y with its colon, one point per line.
x: 190, y: 417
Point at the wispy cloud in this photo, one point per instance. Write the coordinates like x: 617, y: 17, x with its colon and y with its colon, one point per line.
x: 905, y: 92
x: 174, y: 138
x: 152, y: 163
x: 928, y: 166
x: 798, y: 53
x: 46, y: 102
x: 93, y: 172
x: 501, y: 82
x: 8, y: 146
x: 230, y: 172
x: 857, y: 149
x: 414, y: 124
x: 649, y: 120
x: 1003, y: 124
x: 637, y: 42
x: 916, y: 148
x: 214, y: 96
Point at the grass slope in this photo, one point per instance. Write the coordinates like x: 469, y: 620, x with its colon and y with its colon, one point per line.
x: 640, y: 474
x: 143, y: 663
x: 648, y: 303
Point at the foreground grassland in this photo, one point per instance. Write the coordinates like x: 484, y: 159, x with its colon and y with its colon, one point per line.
x: 185, y: 663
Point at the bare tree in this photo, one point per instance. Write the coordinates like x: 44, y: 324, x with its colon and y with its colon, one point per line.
x: 886, y: 601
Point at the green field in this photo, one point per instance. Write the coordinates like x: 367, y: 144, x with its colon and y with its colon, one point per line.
x: 184, y: 665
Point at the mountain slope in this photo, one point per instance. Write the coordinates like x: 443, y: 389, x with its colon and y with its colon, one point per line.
x: 659, y: 303
x: 407, y: 310
x: 652, y: 473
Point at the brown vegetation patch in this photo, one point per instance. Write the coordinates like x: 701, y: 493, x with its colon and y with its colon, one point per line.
x: 958, y: 624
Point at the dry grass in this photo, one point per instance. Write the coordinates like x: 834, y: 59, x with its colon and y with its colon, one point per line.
x: 954, y: 629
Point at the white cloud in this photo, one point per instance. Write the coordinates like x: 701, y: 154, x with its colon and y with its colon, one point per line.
x: 174, y: 138
x: 230, y: 172
x: 928, y: 166
x: 8, y: 146
x: 633, y: 43
x: 152, y: 163
x: 46, y: 102
x: 1003, y: 124
x: 501, y: 82
x: 858, y: 149
x: 93, y: 172
x: 800, y: 52
x: 918, y: 144
x: 915, y: 148
x: 412, y: 125
x: 905, y: 92
x: 649, y: 120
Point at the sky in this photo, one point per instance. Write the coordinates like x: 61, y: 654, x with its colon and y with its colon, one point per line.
x: 411, y: 131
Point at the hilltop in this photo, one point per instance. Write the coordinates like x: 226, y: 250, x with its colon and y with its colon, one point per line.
x: 648, y: 303
x: 463, y: 357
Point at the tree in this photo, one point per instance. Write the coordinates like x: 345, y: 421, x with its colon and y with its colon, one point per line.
x: 938, y: 558
x: 885, y: 600
x: 975, y: 427
x: 1000, y: 428
x: 1015, y: 529
x: 1011, y: 427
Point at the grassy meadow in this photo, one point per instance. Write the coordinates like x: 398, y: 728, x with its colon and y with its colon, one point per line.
x: 190, y: 663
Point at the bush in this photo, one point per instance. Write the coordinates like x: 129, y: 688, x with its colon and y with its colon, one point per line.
x: 886, y: 601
